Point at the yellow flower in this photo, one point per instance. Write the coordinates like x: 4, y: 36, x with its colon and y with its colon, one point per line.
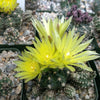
x: 66, y: 50
x: 28, y: 69
x: 7, y: 6
x: 49, y: 27
x: 44, y: 53
x: 73, y: 51
x: 34, y: 61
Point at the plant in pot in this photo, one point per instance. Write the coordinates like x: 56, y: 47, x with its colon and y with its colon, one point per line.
x: 11, y: 15
x: 56, y: 68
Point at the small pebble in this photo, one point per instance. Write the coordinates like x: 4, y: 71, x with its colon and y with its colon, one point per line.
x: 18, y: 89
x: 30, y: 83
x: 87, y: 97
x: 10, y: 67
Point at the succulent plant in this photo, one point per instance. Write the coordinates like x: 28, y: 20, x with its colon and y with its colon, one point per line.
x: 27, y: 16
x: 11, y: 20
x: 18, y: 10
x: 1, y: 23
x: 96, y: 22
x: 60, y: 95
x: 7, y: 6
x: 96, y: 7
x: 69, y: 91
x: 11, y: 35
x: 56, y: 49
x: 87, y: 29
x: 54, y: 79
x: 2, y: 19
x: 84, y: 29
x: 78, y: 16
x: 5, y: 85
x: 82, y: 21
x: 82, y: 79
x: 35, y: 91
x: 48, y: 95
x: 16, y: 17
x: 1, y: 26
x: 55, y: 53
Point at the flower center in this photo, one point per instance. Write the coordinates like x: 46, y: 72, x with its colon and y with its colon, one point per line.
x: 68, y: 53
x: 33, y: 68
x: 47, y: 56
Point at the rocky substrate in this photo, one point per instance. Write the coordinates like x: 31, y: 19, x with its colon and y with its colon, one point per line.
x: 31, y: 4
x: 10, y: 86
x: 26, y: 37
x: 11, y: 90
x: 81, y: 94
